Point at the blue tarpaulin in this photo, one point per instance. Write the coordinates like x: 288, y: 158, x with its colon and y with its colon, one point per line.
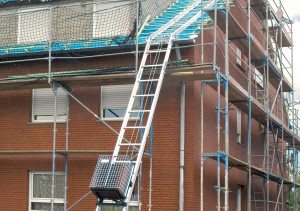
x: 5, y: 1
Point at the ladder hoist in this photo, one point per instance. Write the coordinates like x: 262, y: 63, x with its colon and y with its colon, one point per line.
x: 115, y: 176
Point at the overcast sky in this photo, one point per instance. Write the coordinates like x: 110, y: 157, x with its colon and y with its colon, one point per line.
x: 293, y: 9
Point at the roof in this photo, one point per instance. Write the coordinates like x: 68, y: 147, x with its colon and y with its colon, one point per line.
x: 129, y: 39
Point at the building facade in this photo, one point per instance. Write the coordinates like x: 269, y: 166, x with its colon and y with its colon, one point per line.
x: 224, y: 133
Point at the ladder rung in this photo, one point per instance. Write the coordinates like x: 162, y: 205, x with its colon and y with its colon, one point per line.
x: 118, y: 161
x: 157, y: 51
x: 130, y: 144
x: 148, y: 80
x: 135, y: 127
x: 153, y: 65
x: 139, y: 111
x: 147, y: 95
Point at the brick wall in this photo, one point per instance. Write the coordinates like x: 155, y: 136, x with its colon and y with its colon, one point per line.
x: 17, y: 133
x: 85, y: 133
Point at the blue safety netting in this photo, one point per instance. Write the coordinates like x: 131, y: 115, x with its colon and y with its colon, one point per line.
x: 74, y: 28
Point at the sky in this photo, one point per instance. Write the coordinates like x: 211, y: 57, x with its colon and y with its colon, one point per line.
x: 293, y: 9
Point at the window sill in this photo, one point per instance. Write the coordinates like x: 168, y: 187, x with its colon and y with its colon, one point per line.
x: 241, y: 67
x: 257, y: 83
x: 242, y: 144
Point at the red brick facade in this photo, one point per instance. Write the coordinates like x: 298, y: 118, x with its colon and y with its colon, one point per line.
x: 17, y: 133
x: 86, y: 134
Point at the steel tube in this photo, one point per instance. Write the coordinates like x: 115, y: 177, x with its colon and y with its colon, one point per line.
x: 182, y: 140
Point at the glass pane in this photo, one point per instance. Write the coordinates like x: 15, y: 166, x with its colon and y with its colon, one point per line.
x: 134, y: 197
x: 46, y: 206
x: 135, y: 193
x: 117, y: 113
x: 42, y: 186
x: 133, y: 209
x: 114, y: 113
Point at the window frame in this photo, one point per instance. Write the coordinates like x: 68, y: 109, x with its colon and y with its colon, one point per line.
x: 29, y: 10
x: 239, y: 57
x: 50, y: 118
x: 239, y: 198
x: 114, y: 118
x: 239, y: 127
x: 32, y: 199
x: 258, y: 78
x: 242, y: 137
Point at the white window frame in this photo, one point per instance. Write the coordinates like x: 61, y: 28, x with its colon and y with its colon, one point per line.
x: 239, y: 126
x: 49, y: 119
x: 42, y: 200
x: 258, y: 78
x: 125, y: 107
x: 239, y: 198
x: 22, y: 11
x: 239, y: 57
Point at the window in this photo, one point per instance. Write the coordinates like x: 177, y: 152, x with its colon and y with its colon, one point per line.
x: 239, y: 126
x: 239, y: 57
x: 258, y: 78
x: 114, y: 101
x: 43, y: 105
x: 239, y: 198
x: 40, y: 190
x: 33, y: 25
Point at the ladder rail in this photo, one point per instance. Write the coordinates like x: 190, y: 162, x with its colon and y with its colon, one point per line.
x: 131, y: 101
x: 133, y: 97
x: 144, y: 96
x: 149, y: 120
x: 174, y: 20
x: 188, y: 23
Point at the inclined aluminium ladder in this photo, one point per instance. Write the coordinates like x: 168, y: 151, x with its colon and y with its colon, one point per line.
x: 147, y: 76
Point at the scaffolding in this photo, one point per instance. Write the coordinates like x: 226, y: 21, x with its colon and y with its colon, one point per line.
x: 265, y: 90
x: 269, y: 99
x: 46, y: 45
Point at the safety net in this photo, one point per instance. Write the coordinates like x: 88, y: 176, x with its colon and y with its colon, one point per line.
x: 81, y: 37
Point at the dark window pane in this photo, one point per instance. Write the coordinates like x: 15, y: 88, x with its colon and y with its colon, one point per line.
x: 117, y: 113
